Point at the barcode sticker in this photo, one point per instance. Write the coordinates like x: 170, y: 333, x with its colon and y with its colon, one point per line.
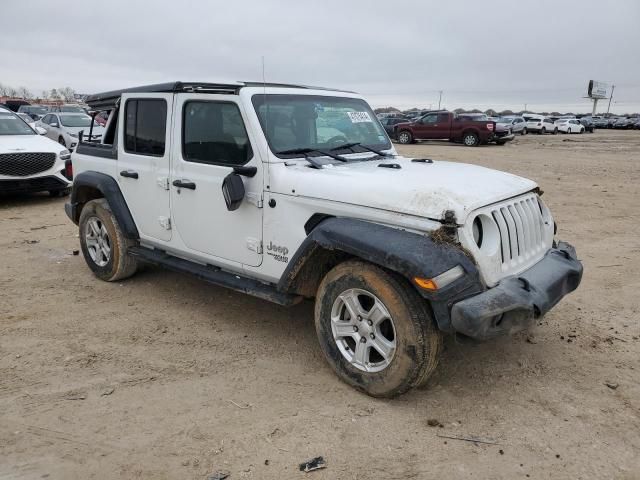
x: 359, y: 117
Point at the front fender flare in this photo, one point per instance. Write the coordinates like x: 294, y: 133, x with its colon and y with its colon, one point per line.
x: 407, y: 253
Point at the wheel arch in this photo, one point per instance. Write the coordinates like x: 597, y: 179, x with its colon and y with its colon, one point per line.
x: 91, y: 185
x: 334, y: 240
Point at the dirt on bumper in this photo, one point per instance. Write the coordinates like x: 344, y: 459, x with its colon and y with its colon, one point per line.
x: 517, y: 301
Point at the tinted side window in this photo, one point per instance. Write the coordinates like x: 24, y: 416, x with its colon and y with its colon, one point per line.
x: 145, y: 126
x: 214, y: 133
x: 429, y: 119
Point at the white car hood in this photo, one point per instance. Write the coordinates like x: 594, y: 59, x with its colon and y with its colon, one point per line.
x: 28, y: 143
x: 421, y: 189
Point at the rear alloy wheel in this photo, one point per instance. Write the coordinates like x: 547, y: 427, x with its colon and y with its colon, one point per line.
x: 405, y: 137
x: 375, y: 330
x: 470, y: 139
x: 104, y: 246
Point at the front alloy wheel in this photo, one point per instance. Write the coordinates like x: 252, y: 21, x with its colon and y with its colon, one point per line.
x: 97, y: 241
x: 405, y: 137
x: 363, y: 330
x: 375, y: 330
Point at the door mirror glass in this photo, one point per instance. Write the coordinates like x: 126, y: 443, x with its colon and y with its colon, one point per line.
x: 233, y: 191
x: 41, y: 131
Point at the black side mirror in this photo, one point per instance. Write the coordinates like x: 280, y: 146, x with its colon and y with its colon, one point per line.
x: 233, y: 191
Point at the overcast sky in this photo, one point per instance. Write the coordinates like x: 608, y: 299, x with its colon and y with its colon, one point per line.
x: 485, y: 54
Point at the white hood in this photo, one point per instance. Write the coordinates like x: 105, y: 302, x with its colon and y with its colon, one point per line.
x: 28, y: 143
x: 421, y: 189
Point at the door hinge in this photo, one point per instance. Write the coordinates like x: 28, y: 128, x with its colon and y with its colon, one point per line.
x: 254, y: 198
x: 163, y: 182
x: 254, y: 245
x: 165, y: 222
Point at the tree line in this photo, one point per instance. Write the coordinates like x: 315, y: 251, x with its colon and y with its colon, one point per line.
x: 63, y: 93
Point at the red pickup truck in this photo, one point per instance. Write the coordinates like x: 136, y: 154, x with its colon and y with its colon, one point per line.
x: 471, y: 130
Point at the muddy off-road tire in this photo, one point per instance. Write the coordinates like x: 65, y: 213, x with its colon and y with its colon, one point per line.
x: 103, y: 244
x: 375, y: 330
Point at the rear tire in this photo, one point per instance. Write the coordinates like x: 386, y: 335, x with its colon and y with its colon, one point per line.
x: 555, y: 131
x: 104, y: 246
x: 405, y: 137
x: 402, y: 327
x: 542, y: 131
x: 470, y: 139
x: 524, y: 131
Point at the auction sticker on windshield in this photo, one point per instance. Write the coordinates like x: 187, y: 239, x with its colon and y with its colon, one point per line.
x: 359, y: 117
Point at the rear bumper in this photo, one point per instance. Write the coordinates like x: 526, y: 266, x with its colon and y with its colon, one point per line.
x: 516, y: 302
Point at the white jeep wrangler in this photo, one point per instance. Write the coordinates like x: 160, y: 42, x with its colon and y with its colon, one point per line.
x: 288, y: 192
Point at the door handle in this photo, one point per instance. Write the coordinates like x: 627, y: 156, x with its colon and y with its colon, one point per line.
x: 184, y: 184
x: 129, y: 174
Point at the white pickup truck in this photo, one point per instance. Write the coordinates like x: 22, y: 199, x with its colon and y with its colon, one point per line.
x: 288, y: 192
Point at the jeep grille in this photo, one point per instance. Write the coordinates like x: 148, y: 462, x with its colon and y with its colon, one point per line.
x: 522, y: 230
x: 23, y: 164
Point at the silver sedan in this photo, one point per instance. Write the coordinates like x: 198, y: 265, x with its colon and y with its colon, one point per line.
x: 518, y: 124
x: 65, y: 127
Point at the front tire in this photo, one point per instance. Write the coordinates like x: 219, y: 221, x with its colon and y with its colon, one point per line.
x: 374, y: 329
x: 103, y: 244
x: 524, y: 131
x: 405, y: 137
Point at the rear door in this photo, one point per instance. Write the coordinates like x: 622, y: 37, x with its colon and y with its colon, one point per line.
x: 144, y: 152
x: 211, y: 137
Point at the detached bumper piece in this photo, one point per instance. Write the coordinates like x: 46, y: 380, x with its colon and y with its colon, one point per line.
x: 516, y: 302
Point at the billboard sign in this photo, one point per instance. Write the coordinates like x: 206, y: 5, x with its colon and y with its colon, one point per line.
x: 598, y: 89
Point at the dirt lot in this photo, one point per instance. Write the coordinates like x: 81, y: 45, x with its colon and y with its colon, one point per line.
x: 166, y: 377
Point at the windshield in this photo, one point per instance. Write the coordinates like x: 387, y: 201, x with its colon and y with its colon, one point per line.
x: 25, y: 117
x: 71, y: 109
x: 317, y: 122
x: 77, y: 121
x: 37, y: 110
x: 11, y: 124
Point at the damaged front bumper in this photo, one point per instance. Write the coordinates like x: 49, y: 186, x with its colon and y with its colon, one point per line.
x: 517, y: 301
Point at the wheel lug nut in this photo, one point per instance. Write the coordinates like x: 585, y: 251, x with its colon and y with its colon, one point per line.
x: 363, y: 339
x: 355, y: 329
x: 370, y: 322
x: 373, y: 337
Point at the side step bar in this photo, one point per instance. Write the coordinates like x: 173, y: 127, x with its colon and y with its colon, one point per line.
x: 215, y: 275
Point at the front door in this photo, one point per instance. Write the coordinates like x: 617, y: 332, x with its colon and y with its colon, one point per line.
x: 210, y: 139
x: 144, y: 154
x: 432, y: 126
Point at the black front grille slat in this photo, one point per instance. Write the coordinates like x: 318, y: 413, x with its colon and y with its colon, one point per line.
x: 24, y: 164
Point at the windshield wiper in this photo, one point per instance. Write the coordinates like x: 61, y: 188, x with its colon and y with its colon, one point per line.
x: 305, y: 151
x: 358, y: 144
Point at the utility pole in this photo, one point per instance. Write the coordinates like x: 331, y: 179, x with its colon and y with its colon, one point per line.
x: 525, y: 108
x: 613, y: 87
x: 440, y: 100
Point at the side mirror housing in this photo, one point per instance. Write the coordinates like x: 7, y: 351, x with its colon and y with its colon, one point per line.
x: 55, y: 125
x: 41, y: 131
x: 233, y: 191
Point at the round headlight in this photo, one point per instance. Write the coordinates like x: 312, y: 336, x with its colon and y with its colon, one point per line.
x: 477, y: 231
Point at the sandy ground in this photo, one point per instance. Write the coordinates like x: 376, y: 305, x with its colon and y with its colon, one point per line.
x: 165, y: 377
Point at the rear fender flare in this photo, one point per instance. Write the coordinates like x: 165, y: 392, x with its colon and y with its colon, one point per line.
x: 91, y: 185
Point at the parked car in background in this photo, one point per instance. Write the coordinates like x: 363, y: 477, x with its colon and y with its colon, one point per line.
x: 636, y: 124
x: 570, y: 126
x: 470, y: 129
x: 502, y: 132
x: 540, y: 124
x: 15, y: 104
x: 65, y: 127
x: 389, y: 123
x: 624, y: 123
x: 588, y: 123
x: 30, y: 162
x: 68, y: 108
x: 34, y: 111
x: 101, y: 118
x: 611, y: 121
x: 27, y: 119
x: 518, y: 124
x: 601, y: 122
